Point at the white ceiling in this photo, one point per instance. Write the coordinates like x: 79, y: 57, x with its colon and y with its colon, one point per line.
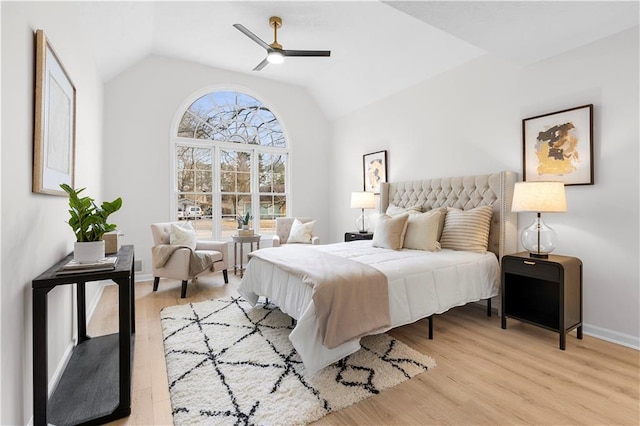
x: 377, y: 48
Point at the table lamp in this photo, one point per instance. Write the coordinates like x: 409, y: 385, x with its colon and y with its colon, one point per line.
x: 539, y: 197
x: 362, y: 200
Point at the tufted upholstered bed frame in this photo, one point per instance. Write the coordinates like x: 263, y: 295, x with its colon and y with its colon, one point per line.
x: 264, y: 278
x: 466, y: 192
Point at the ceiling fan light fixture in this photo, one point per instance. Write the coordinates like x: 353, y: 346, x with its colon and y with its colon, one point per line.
x: 275, y: 52
x: 275, y: 57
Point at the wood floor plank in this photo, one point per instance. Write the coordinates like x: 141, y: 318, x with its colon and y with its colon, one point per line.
x: 485, y: 375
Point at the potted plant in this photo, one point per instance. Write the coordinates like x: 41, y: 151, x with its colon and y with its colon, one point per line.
x: 89, y: 224
x: 243, y: 221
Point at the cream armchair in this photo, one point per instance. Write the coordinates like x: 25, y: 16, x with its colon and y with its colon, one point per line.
x: 283, y: 229
x: 180, y: 263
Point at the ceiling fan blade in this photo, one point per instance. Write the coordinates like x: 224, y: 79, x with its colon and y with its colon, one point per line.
x: 306, y: 52
x: 261, y: 65
x: 252, y: 36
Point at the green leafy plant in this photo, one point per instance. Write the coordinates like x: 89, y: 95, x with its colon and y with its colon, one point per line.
x: 88, y: 221
x: 244, y: 220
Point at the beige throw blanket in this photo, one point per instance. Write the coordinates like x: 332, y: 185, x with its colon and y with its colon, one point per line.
x: 351, y: 299
x: 198, y: 261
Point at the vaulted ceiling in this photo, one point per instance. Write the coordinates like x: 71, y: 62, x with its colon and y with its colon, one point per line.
x: 377, y: 48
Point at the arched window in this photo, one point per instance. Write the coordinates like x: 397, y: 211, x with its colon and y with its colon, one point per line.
x: 231, y: 158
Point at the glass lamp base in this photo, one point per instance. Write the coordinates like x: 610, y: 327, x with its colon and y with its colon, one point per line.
x: 362, y: 223
x: 539, y: 239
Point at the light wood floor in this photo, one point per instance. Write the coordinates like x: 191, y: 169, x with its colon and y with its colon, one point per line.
x: 485, y: 375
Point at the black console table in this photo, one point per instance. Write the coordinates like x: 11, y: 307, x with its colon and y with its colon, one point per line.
x: 95, y: 387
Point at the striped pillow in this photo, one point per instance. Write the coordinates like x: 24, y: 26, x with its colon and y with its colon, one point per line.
x: 467, y: 229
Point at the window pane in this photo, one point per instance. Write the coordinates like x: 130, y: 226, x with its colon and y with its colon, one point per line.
x: 185, y: 181
x: 272, y: 172
x: 229, y: 202
x: 279, y: 206
x: 202, y: 158
x: 232, y: 117
x: 278, y: 183
x: 228, y: 182
x: 187, y: 126
x: 266, y: 182
x: 203, y: 181
x: 197, y: 208
x: 244, y: 182
x: 244, y: 204
x: 184, y: 157
x: 236, y: 174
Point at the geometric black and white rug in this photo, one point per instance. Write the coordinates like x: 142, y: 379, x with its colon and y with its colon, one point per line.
x: 229, y: 363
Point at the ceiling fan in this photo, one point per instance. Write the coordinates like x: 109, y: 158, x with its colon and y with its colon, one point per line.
x: 275, y: 52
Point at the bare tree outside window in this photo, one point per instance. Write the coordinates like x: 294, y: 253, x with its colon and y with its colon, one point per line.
x: 244, y: 140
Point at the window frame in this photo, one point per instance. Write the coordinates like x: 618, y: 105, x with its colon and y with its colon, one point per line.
x: 216, y: 146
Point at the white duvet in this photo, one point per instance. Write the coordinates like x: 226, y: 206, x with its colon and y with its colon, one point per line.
x: 421, y: 283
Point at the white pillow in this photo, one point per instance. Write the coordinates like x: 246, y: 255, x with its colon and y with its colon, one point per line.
x: 393, y: 210
x: 183, y: 234
x: 301, y: 232
x: 390, y: 231
x: 467, y: 229
x: 422, y: 231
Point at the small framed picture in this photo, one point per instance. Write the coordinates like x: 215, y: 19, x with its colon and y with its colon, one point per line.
x: 559, y: 146
x: 374, y: 170
x: 55, y: 122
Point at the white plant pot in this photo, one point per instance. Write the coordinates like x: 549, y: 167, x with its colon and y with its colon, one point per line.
x: 88, y: 252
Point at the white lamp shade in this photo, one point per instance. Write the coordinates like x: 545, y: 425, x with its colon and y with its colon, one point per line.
x: 541, y: 197
x: 362, y: 200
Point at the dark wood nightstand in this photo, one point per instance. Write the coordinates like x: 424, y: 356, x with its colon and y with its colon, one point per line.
x: 543, y: 292
x: 354, y: 236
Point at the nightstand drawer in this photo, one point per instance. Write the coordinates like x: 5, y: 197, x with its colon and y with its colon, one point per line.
x: 532, y: 268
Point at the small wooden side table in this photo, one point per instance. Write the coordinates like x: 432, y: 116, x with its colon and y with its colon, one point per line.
x: 543, y: 292
x: 240, y: 241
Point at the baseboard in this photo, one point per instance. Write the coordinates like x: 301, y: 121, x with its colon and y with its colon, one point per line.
x: 57, y: 375
x: 144, y: 277
x: 623, y: 339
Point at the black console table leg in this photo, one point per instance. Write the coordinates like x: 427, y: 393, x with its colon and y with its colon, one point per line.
x: 40, y: 375
x: 133, y: 294
x: 124, y: 300
x: 82, y: 311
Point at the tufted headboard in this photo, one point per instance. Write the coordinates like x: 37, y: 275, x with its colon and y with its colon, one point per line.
x: 465, y: 193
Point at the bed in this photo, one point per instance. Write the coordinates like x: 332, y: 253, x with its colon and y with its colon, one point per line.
x: 420, y: 282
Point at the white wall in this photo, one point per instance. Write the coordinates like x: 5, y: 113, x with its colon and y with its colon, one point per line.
x: 140, y: 106
x: 468, y: 121
x: 34, y: 233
